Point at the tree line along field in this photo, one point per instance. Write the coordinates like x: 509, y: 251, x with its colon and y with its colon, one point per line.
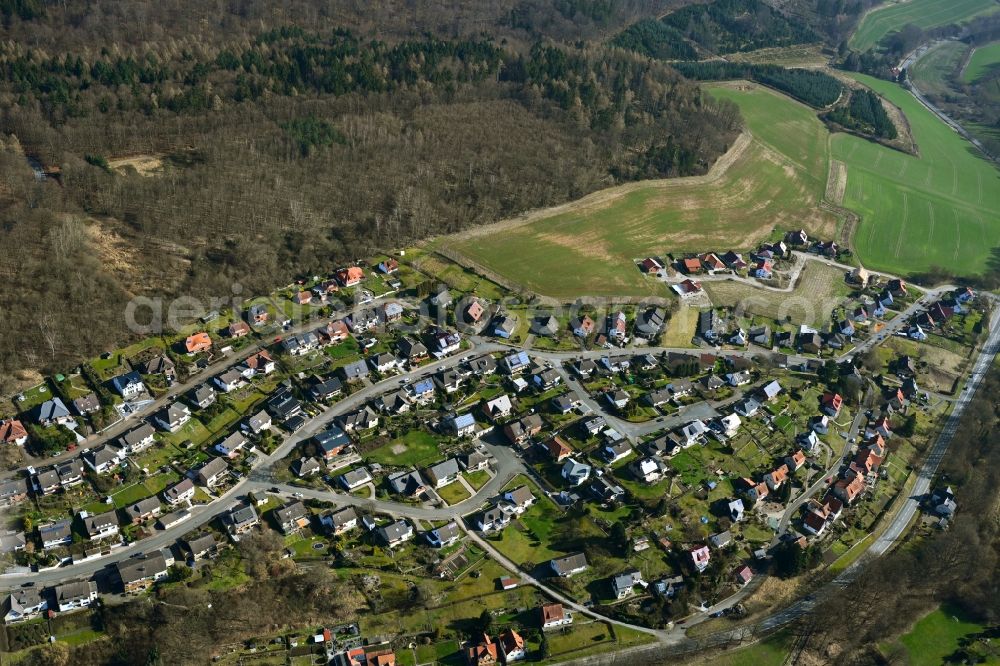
x: 922, y: 13
x: 590, y: 248
x: 939, y: 209
x: 984, y: 59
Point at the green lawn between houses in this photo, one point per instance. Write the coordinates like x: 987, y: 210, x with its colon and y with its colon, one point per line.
x: 937, y: 635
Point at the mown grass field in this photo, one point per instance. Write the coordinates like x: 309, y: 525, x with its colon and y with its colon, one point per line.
x: 590, y: 248
x: 922, y: 13
x: 938, y: 209
x: 984, y: 60
x: 934, y: 69
x: 936, y: 636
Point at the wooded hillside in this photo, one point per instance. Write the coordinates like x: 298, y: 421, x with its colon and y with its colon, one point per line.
x: 289, y: 148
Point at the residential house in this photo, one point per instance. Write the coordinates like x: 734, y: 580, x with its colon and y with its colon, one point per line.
x: 796, y: 460
x: 516, y: 363
x: 139, y: 573
x: 613, y: 452
x: 88, y: 404
x: 363, y: 320
x: 212, y: 473
x: 650, y: 322
x: 558, y: 449
x: 355, y: 371
x: 52, y: 412
x: 23, y: 604
x: 575, y: 472
x: 200, y: 546
x: 512, y: 646
x: 422, y: 391
x: 583, y: 326
x: 240, y: 519
x: 483, y: 653
x: 292, y: 517
x: 103, y: 458
x: 446, y: 342
x: 461, y: 425
x: 129, y: 385
x: 70, y: 473
x: 179, y: 492
x: 395, y: 534
x: 820, y: 424
x: 475, y: 311
x: 413, y: 351
x: 567, y: 566
x: 760, y: 335
x: 331, y: 442
x: 392, y: 312
x: 519, y: 499
x: 444, y: 536
x: 362, y: 419
x: 738, y: 378
x: 831, y: 403
x: 443, y: 473
x: 339, y: 521
x: 350, y: 276
x: 11, y: 542
x: 173, y: 417
x: 143, y: 510
x: 623, y: 583
x: 617, y: 398
x: 710, y: 327
x: 54, y: 535
x: 474, y: 461
x: 76, y: 595
x: 46, y: 482
x: 229, y: 381
x: 504, y: 326
x: 553, y: 615
x: 325, y: 389
x: 388, y: 266
x: 497, y: 408
x: 355, y: 478
x: 521, y: 431
x: 304, y: 467
x: 201, y: 396
x: 260, y: 363
x: 197, y: 343
x: 770, y: 391
x: 13, y: 491
x: 648, y: 470
x: 258, y: 423
x: 257, y: 314
x: 407, y: 483
x: 238, y: 329
x: 394, y: 402
x: 651, y: 265
x: 492, y: 519
x: 13, y: 431
x: 700, y: 557
x: 618, y: 326
x: 564, y: 404
x: 100, y: 526
x: 775, y: 478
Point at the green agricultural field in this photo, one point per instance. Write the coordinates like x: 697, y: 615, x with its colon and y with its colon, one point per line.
x: 938, y: 209
x: 922, y: 13
x: 933, y: 72
x: 589, y: 247
x: 985, y: 59
x: 937, y: 635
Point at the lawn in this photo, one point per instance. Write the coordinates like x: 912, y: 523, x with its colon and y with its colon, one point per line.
x: 777, y: 181
x: 580, y: 636
x: 938, y: 209
x: 453, y: 493
x: 477, y: 479
x: 771, y: 651
x: 416, y: 447
x: 933, y: 72
x: 921, y: 13
x: 985, y: 59
x: 936, y: 635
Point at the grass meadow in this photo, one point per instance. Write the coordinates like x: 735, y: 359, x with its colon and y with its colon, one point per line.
x: 590, y: 249
x: 922, y: 13
x: 985, y: 59
x: 938, y: 209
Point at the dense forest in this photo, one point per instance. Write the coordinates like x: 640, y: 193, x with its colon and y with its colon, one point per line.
x: 864, y: 113
x: 290, y: 149
x: 655, y: 39
x: 730, y: 26
x: 814, y: 88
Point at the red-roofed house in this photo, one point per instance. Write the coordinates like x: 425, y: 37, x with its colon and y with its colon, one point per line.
x: 796, y: 460
x: 776, y: 478
x: 475, y: 311
x: 238, y: 329
x: 849, y: 489
x: 558, y: 449
x: 350, y: 276
x: 304, y: 297
x: 13, y: 431
x: 484, y: 654
x: 711, y: 262
x: 744, y: 575
x: 651, y: 265
x: 198, y: 342
x: 691, y: 265
x: 832, y: 402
